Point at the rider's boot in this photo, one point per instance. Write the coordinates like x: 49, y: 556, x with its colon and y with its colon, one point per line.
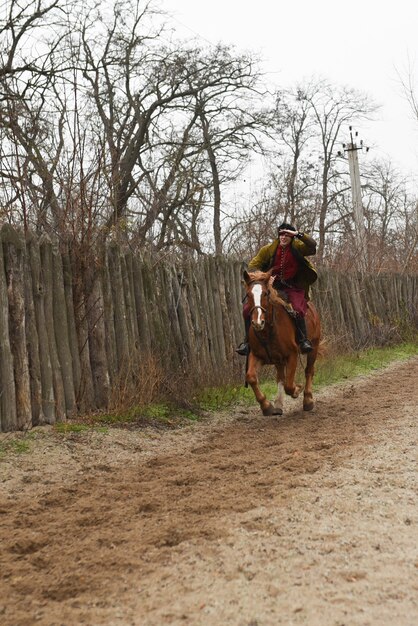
x: 244, y: 348
x: 302, y: 336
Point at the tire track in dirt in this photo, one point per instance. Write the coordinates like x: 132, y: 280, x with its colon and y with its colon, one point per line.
x: 79, y: 552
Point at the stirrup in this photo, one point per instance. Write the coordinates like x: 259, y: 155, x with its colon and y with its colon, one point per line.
x: 305, y: 346
x: 243, y: 349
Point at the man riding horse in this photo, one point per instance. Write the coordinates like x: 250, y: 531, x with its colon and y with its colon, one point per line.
x: 292, y: 274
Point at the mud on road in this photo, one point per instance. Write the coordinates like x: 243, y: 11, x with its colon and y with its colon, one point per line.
x: 239, y: 520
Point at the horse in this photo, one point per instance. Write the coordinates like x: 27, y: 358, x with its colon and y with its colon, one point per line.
x: 272, y: 341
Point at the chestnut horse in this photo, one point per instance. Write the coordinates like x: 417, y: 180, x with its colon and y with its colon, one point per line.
x: 272, y: 341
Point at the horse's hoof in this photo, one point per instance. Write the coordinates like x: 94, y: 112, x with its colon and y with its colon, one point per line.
x: 268, y: 411
x: 308, y: 406
x: 297, y: 390
x: 277, y: 411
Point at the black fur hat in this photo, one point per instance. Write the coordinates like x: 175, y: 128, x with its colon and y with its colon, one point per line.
x: 286, y: 226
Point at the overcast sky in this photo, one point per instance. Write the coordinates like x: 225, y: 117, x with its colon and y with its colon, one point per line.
x: 363, y: 44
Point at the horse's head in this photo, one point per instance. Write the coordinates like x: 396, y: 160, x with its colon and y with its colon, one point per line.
x: 258, y: 289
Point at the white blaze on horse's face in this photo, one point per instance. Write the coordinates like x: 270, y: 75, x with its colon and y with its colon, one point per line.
x: 258, y: 321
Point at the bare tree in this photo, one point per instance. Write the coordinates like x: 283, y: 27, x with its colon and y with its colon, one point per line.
x: 333, y: 109
x: 409, y: 88
x: 22, y: 27
x: 231, y: 126
x: 296, y: 130
x: 306, y: 184
x: 111, y: 109
x: 31, y: 123
x: 389, y: 210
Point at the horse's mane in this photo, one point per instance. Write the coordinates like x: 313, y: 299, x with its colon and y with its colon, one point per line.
x: 279, y: 297
x: 276, y: 297
x: 257, y: 275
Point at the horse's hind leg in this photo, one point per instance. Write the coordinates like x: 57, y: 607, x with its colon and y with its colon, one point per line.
x: 252, y: 379
x: 308, y: 403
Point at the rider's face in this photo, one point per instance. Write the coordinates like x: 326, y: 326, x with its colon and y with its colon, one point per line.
x: 284, y: 240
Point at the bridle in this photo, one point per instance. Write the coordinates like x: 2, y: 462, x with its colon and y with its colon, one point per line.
x: 268, y: 323
x: 258, y: 306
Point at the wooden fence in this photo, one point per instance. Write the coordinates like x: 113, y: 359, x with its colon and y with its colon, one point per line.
x: 67, y: 345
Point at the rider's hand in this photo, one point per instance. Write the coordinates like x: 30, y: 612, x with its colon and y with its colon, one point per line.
x: 288, y: 233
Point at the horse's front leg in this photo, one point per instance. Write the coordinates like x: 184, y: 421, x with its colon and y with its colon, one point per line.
x: 279, y: 400
x: 251, y: 378
x: 290, y: 387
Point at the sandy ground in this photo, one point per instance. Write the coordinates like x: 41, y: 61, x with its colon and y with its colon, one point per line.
x: 240, y: 520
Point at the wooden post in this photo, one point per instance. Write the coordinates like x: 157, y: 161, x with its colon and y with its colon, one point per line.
x: 360, y: 232
x: 357, y: 205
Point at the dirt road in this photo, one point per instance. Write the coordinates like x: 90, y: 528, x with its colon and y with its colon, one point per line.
x: 240, y: 520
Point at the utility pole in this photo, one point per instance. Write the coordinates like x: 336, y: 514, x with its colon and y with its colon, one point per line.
x: 358, y: 212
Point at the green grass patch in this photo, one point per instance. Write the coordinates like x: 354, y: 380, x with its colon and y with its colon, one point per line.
x: 77, y: 427
x: 157, y: 414
x: 214, y: 398
x: 65, y: 427
x: 15, y: 446
x: 339, y: 368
